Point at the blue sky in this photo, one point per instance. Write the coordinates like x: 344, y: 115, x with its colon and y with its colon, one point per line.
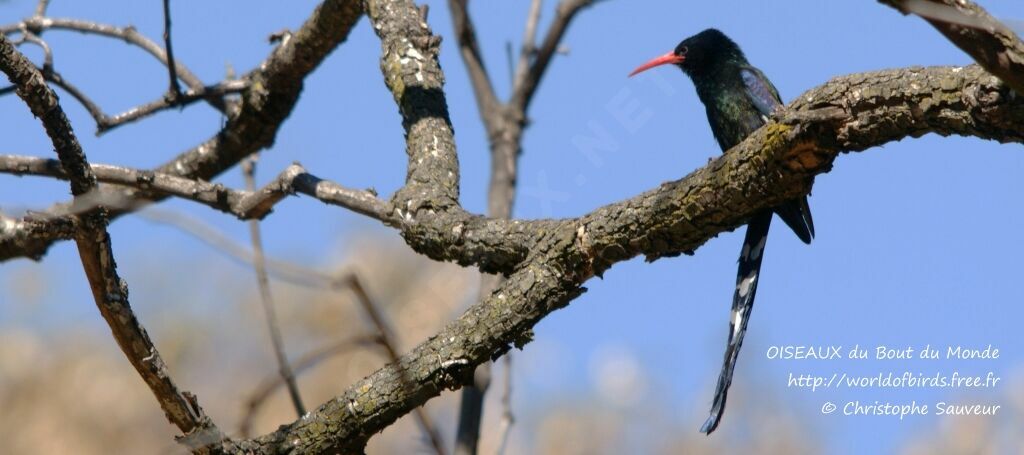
x: 918, y: 241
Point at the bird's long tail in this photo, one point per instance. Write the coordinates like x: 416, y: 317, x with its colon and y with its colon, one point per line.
x: 742, y: 303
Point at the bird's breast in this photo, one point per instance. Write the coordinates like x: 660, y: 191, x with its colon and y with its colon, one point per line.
x: 732, y: 119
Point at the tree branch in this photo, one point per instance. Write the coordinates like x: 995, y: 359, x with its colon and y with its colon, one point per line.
x: 41, y: 7
x: 504, y: 123
x: 471, y: 240
x: 243, y: 204
x: 104, y: 122
x: 267, y: 298
x: 94, y: 246
x: 278, y: 81
x: 40, y: 23
x: 91, y: 106
x: 174, y: 91
x: 469, y: 48
x: 529, y: 46
x: 387, y: 339
x: 524, y: 89
x: 990, y: 43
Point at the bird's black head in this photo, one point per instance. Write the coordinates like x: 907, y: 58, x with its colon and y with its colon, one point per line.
x: 699, y: 54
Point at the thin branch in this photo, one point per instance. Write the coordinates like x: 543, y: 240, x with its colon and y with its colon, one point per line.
x: 261, y: 112
x: 216, y: 92
x: 90, y: 106
x: 524, y: 89
x: 305, y: 362
x: 94, y: 246
x: 129, y: 35
x: 529, y: 46
x: 469, y: 48
x: 28, y: 36
x: 267, y: 298
x: 104, y: 122
x: 243, y: 204
x: 174, y: 91
x: 41, y: 8
x: 29, y: 28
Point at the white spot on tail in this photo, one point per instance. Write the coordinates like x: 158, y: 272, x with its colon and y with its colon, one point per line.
x: 746, y: 284
x: 737, y: 318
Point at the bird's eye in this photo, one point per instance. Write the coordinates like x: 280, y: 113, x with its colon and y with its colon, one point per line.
x: 683, y: 50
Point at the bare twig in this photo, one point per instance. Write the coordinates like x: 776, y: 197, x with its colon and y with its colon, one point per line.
x: 41, y: 7
x: 243, y: 204
x: 80, y: 96
x: 28, y: 36
x: 38, y: 24
x: 529, y: 41
x: 174, y: 97
x: 285, y: 370
x: 51, y: 75
x: 467, y: 434
x: 524, y: 88
x: 249, y: 128
x: 104, y: 122
x: 217, y: 92
x: 94, y: 246
x: 469, y: 48
x: 174, y: 91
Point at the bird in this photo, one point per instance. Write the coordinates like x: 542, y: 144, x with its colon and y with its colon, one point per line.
x: 738, y: 99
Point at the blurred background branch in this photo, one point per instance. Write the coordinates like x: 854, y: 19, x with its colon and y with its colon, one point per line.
x: 504, y: 122
x: 266, y: 297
